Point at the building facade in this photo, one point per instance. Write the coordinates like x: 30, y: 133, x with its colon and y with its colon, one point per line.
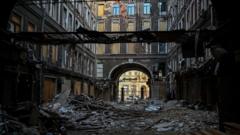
x: 186, y: 67
x: 120, y: 16
x: 50, y: 69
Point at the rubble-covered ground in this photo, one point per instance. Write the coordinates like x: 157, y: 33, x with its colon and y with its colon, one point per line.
x: 75, y: 115
x: 91, y: 116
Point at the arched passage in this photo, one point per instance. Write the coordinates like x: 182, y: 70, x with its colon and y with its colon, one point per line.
x: 123, y: 68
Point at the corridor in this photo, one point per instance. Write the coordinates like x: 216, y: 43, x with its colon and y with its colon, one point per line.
x: 101, y: 67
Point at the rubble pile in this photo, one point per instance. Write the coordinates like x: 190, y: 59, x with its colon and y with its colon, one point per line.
x: 10, y: 125
x: 90, y: 114
x: 179, y: 118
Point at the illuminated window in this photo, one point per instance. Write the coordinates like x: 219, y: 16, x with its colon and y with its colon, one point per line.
x: 101, y: 26
x: 116, y: 9
x: 130, y: 9
x: 101, y: 10
x: 146, y: 8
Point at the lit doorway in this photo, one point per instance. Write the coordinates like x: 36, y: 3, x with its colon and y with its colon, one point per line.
x: 133, y: 86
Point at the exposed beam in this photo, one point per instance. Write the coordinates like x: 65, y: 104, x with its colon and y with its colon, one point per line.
x: 57, y: 38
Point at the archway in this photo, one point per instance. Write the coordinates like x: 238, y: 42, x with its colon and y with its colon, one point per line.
x: 127, y: 86
x: 133, y: 86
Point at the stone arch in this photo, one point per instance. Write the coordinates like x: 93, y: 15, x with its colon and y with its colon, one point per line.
x: 123, y: 67
x: 119, y: 69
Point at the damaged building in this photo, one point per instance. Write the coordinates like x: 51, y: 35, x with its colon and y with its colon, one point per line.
x: 190, y: 72
x: 40, y: 72
x: 119, y: 67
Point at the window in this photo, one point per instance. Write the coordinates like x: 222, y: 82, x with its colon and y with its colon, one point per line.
x: 44, y: 52
x: 86, y: 14
x: 64, y: 17
x: 99, y: 70
x: 30, y: 27
x: 15, y: 23
x: 37, y: 3
x: 89, y: 18
x: 162, y: 25
x: 115, y: 26
x: 162, y: 8
x: 91, y: 69
x: 54, y: 9
x: 131, y: 46
x: 88, y: 65
x: 146, y: 8
x: 101, y: 10
x: 100, y: 49
x: 77, y: 24
x: 70, y: 22
x: 115, y: 48
x: 162, y: 48
x: 65, y: 58
x: 80, y: 7
x: 130, y: 9
x: 79, y: 62
x: 54, y: 54
x: 116, y: 9
x: 131, y: 26
x: 146, y: 25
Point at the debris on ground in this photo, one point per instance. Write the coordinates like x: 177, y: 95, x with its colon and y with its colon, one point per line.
x: 89, y: 115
